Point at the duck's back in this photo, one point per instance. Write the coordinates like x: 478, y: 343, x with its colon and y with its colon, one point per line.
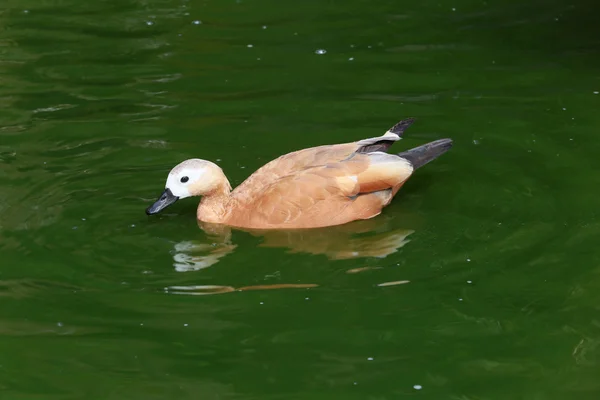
x: 289, y: 164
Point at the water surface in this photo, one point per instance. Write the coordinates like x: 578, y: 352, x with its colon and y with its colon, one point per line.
x: 492, y: 248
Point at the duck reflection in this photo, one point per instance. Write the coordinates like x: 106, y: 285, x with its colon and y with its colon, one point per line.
x: 194, y: 256
x: 354, y: 240
x: 360, y: 239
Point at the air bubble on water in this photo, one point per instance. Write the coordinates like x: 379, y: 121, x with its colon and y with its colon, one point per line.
x: 596, y: 92
x: 320, y: 51
x: 149, y: 23
x: 262, y: 302
x: 468, y: 260
x: 351, y: 59
x: 469, y: 281
x: 83, y: 219
x: 564, y: 109
x: 250, y: 45
x: 369, y: 47
x: 459, y: 299
x: 264, y: 27
x: 185, y: 324
x: 476, y: 142
x: 356, y: 383
x: 258, y: 59
x: 307, y: 298
x: 197, y: 22
x: 59, y: 324
x: 370, y: 358
x: 133, y: 225
x: 418, y: 387
x: 352, y: 45
x: 26, y: 11
x: 453, y: 9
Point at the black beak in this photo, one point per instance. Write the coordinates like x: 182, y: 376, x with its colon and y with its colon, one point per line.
x: 165, y: 200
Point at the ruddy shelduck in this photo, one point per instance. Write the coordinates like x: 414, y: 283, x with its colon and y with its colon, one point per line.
x: 315, y: 187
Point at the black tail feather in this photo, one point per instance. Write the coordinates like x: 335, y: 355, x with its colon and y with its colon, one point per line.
x: 421, y: 155
x: 401, y: 126
x: 384, y: 144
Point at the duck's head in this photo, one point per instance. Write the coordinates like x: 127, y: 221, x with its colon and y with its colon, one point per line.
x: 192, y: 177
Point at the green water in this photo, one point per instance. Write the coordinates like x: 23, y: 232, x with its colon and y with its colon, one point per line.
x: 497, y: 238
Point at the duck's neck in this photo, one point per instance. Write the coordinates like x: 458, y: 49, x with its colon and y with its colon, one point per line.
x: 214, y: 205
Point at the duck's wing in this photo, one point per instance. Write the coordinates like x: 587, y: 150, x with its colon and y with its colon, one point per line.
x: 331, y: 194
x: 316, y: 156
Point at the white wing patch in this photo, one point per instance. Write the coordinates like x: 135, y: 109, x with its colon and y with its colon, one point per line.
x: 387, y: 136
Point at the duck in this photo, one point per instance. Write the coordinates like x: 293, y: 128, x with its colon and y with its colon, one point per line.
x: 316, y: 187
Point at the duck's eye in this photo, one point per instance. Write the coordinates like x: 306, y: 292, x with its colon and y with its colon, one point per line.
x: 184, y: 179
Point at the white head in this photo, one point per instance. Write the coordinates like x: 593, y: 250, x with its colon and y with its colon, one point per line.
x: 192, y: 177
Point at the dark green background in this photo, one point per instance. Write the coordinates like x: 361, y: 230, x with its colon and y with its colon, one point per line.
x: 99, y: 99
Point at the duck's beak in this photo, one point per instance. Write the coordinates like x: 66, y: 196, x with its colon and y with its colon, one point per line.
x: 165, y: 200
